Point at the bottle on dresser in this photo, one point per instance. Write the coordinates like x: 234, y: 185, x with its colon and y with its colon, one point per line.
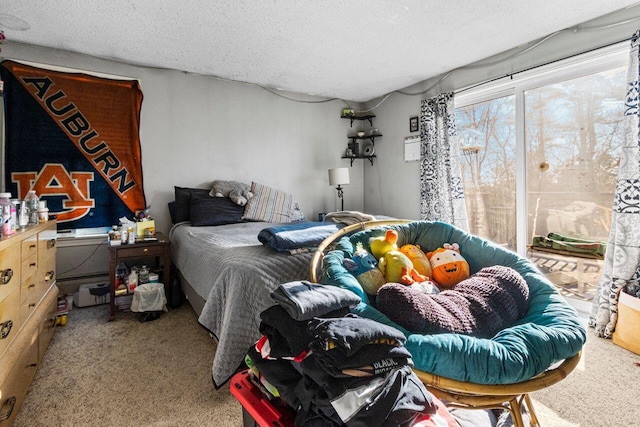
x: 5, y: 209
x: 32, y: 205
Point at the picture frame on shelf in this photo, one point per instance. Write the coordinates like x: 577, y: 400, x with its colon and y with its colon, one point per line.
x: 348, y: 112
x: 413, y: 124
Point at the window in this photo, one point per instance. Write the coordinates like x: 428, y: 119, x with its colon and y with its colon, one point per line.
x: 540, y: 155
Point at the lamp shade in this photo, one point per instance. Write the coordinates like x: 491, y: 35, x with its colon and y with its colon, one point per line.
x: 339, y: 176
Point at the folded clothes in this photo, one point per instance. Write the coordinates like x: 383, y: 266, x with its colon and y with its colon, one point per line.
x: 288, y: 337
x: 348, y: 217
x: 304, y: 300
x: 296, y: 235
x: 350, y: 333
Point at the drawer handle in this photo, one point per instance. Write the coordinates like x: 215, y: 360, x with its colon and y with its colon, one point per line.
x: 51, y: 243
x: 33, y: 304
x: 5, y: 329
x: 49, y: 275
x: 53, y: 321
x: 145, y: 250
x: 7, y: 274
x: 33, y: 285
x: 33, y: 264
x: 7, y: 408
x: 32, y: 365
x: 32, y: 246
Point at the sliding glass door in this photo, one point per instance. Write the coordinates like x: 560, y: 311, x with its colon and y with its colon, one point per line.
x: 540, y: 159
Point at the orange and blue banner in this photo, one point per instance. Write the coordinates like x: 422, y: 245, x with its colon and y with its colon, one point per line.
x: 74, y: 139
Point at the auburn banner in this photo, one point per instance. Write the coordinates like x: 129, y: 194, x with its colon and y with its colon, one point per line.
x: 74, y: 139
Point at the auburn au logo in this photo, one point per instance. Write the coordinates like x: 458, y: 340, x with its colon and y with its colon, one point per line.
x: 54, y: 180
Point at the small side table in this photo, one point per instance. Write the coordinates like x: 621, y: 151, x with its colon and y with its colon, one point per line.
x: 160, y: 249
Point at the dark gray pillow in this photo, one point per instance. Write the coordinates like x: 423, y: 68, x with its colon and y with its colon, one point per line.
x: 207, y: 210
x: 181, y: 209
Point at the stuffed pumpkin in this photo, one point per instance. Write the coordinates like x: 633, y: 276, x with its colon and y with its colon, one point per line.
x: 448, y: 266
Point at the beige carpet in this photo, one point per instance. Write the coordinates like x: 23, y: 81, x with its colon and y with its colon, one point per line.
x: 127, y: 373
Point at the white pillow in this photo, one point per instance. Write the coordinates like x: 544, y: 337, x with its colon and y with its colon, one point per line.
x: 269, y: 205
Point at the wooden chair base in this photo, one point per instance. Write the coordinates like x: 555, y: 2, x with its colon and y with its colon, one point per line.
x: 512, y: 397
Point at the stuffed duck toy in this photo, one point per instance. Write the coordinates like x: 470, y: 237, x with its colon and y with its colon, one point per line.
x: 395, y: 265
x: 383, y: 244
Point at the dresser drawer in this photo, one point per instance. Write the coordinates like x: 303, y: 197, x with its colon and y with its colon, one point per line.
x: 29, y: 246
x: 47, y: 272
x: 29, y: 266
x: 47, y: 244
x: 15, y: 386
x: 140, y: 251
x: 29, y: 305
x: 48, y: 322
x: 9, y: 319
x: 28, y: 287
x: 9, y: 271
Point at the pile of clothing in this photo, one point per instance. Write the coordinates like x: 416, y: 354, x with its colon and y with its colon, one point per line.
x: 335, y: 368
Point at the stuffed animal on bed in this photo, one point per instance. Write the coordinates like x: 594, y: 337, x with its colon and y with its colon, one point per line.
x: 364, y: 267
x: 418, y: 258
x: 448, y: 266
x: 238, y: 192
x: 481, y: 305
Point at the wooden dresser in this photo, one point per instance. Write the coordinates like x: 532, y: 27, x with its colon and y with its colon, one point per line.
x: 28, y: 304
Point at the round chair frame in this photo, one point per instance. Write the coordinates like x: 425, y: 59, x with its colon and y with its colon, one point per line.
x: 461, y: 394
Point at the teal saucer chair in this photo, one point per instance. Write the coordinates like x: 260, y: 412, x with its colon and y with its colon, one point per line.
x: 537, y: 351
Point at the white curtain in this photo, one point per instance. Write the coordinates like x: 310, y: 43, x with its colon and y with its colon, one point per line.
x: 622, y: 257
x: 441, y: 192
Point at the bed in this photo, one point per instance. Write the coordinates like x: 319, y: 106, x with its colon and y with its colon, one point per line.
x: 227, y: 275
x: 228, y: 266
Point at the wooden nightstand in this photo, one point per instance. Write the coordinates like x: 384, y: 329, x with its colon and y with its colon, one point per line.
x: 159, y: 249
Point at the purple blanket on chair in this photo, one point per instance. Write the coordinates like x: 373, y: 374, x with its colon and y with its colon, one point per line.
x: 482, y: 305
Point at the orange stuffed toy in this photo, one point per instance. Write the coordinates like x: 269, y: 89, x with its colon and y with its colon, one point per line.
x: 448, y: 266
x: 419, y: 259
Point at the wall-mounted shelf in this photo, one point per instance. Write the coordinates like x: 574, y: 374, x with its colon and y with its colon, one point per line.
x: 373, y: 137
x: 352, y: 158
x: 364, y: 117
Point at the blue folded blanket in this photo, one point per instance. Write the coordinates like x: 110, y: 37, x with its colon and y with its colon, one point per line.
x: 295, y: 235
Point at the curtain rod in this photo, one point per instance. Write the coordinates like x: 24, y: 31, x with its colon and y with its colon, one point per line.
x: 511, y: 75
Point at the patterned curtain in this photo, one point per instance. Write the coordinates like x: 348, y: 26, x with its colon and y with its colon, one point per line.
x: 441, y: 193
x: 622, y: 257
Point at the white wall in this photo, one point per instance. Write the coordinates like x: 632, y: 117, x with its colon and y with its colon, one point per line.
x: 392, y: 186
x: 195, y: 129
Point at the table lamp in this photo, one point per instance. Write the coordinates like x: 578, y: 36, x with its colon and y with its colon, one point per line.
x: 339, y: 176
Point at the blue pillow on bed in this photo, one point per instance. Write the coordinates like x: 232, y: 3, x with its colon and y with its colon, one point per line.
x: 207, y: 210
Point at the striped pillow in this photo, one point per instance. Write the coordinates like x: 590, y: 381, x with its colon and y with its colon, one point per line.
x: 269, y: 205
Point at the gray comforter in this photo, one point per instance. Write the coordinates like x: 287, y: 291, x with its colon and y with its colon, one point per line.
x: 234, y: 273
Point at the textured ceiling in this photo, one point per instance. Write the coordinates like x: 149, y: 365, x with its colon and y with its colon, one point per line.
x: 354, y: 50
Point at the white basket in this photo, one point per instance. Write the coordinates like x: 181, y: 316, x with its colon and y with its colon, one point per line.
x: 149, y: 297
